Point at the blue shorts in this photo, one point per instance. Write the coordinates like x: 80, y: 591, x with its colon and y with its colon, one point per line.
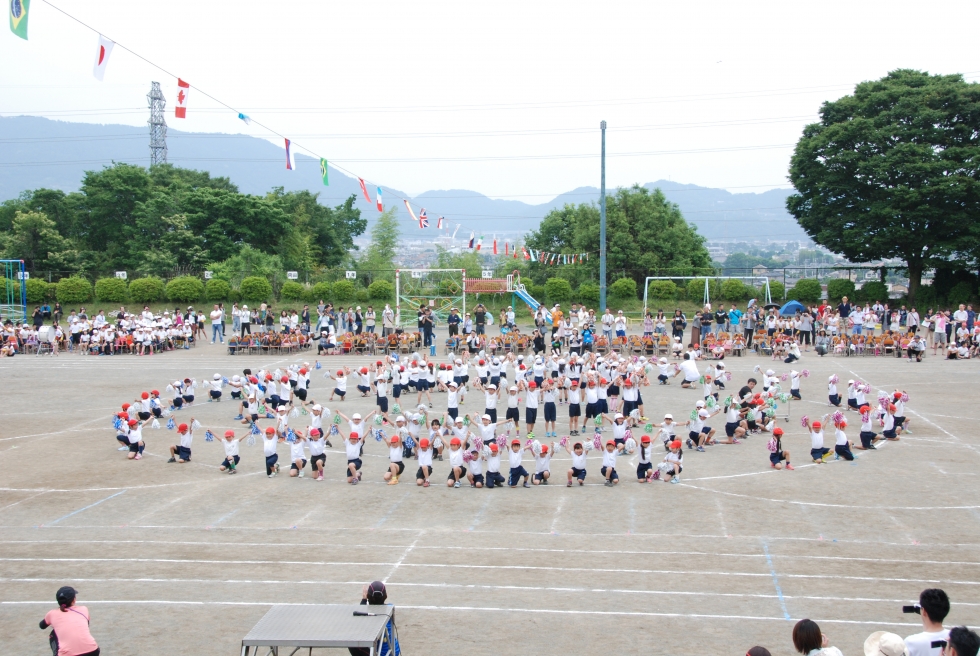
x: 230, y: 461
x: 550, y: 412
x: 364, y: 389
x: 530, y: 416
x: 642, y: 469
x: 183, y: 452
x: 339, y: 392
x: 293, y: 465
x: 730, y: 428
x: 215, y: 394
x: 477, y: 478
x: 396, y: 391
x: 776, y: 458
x: 356, y: 462
x: 578, y: 473
x: 383, y: 403
x: 614, y: 476
x: 516, y: 473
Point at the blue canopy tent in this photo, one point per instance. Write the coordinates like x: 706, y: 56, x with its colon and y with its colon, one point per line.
x: 791, y: 308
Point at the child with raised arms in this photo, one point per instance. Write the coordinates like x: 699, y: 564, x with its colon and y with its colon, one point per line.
x: 778, y: 456
x: 578, y: 469
x: 457, y: 470
x: 867, y: 435
x: 341, y: 378
x: 297, y: 455
x: 475, y: 474
x: 517, y: 470
x: 135, y: 435
x: 317, y: 441
x: 425, y: 463
x: 608, y: 469
x: 818, y: 452
x: 352, y: 445
x: 182, y: 452
x: 542, y: 464
x: 842, y: 447
x: 395, y: 453
x: 644, y: 470
x: 230, y: 444
x: 270, y: 441
x: 670, y: 469
x: 493, y: 476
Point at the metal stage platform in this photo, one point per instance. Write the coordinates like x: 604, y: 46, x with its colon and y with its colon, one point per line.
x: 309, y: 627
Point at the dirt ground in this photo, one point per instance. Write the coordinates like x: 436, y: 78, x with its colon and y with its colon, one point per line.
x: 181, y: 559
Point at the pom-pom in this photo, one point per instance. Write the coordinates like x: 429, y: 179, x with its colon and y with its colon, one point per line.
x: 804, y: 420
x: 501, y: 441
x: 597, y: 421
x: 757, y: 369
x: 208, y: 436
x: 166, y: 412
x: 250, y: 440
x: 648, y: 428
x: 303, y: 411
x: 255, y: 430
x: 805, y: 373
x: 224, y: 381
x: 677, y: 367
x: 563, y: 442
x: 701, y: 380
x: 378, y: 420
x: 838, y: 417
x: 772, y: 446
x: 694, y: 415
x: 437, y: 442
x: 867, y: 388
x: 262, y: 409
x: 727, y: 375
x: 784, y: 377
x: 770, y: 412
x: 784, y: 398
x: 397, y: 409
x: 117, y: 423
x: 466, y: 420
x: 171, y: 424
x: 317, y: 365
x: 728, y: 400
x: 195, y: 424
x: 630, y: 446
x: 905, y: 397
x: 467, y: 456
x: 294, y: 412
x: 597, y: 442
x: 290, y: 435
x: 478, y: 443
x: 334, y: 430
x: 170, y: 389
x: 337, y: 419
x: 882, y: 394
x: 409, y: 442
x: 834, y: 379
x: 378, y: 435
x: 155, y: 424
x: 710, y: 402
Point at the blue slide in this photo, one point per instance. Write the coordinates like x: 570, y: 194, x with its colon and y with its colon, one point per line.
x: 521, y: 293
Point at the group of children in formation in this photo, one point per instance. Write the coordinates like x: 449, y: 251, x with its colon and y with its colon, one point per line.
x: 475, y: 443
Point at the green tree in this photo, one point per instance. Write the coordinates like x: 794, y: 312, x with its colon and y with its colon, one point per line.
x: 623, y: 289
x: 292, y: 291
x: 320, y: 291
x: 873, y: 291
x: 255, y: 288
x: 344, y: 291
x: 380, y: 254
x: 733, y: 290
x: 381, y: 290
x: 248, y: 262
x: 558, y: 290
x: 890, y: 171
x: 217, y: 289
x: 644, y: 233
x: 806, y: 290
x: 839, y: 288
x: 34, y: 238
x: 588, y: 293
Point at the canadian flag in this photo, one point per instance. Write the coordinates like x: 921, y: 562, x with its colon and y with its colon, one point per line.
x: 102, y: 57
x: 182, y: 89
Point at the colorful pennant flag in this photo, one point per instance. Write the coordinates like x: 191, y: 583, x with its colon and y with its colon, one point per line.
x: 102, y: 57
x: 410, y: 212
x: 364, y: 191
x: 381, y: 203
x: 423, y: 219
x: 19, y: 11
x: 479, y: 243
x: 323, y: 172
x: 527, y: 256
x: 495, y: 245
x: 248, y: 120
x: 472, y: 241
x: 506, y: 248
x: 182, y: 90
x: 290, y: 159
x: 439, y: 223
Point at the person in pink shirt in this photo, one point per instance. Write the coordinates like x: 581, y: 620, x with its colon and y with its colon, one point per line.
x: 70, y: 635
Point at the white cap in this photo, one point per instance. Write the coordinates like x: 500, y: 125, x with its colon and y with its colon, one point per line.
x: 356, y: 415
x: 487, y: 417
x: 561, y: 361
x: 770, y: 372
x: 831, y: 376
x: 668, y: 416
x: 459, y: 420
x: 458, y: 361
x: 317, y: 407
x: 850, y: 382
x: 663, y: 360
x: 619, y: 415
x: 491, y: 386
x: 400, y: 418
x: 699, y: 404
x: 513, y: 388
x: 720, y: 365
x: 282, y: 408
x: 217, y: 376
x: 236, y: 378
x: 452, y: 383
x: 703, y: 413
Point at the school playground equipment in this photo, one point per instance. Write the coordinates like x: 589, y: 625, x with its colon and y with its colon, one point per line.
x: 509, y: 285
x: 13, y: 300
x: 438, y: 289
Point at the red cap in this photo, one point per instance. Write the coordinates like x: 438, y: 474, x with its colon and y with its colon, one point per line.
x: 483, y: 362
x: 268, y: 376
x: 133, y: 422
x: 355, y: 436
x: 395, y: 439
x: 314, y: 432
x: 155, y: 393
x: 364, y: 370
x: 303, y: 371
x: 270, y: 431
x: 608, y: 442
x: 121, y: 415
x: 515, y: 441
x: 645, y: 439
x: 603, y: 381
x: 378, y: 363
x: 125, y: 406
x: 864, y: 408
x: 284, y: 379
x: 544, y: 448
x: 455, y: 441
x: 253, y: 379
x: 676, y: 444
x: 532, y: 385
x: 891, y: 407
x: 493, y: 447
x: 777, y: 431
x: 340, y: 372
x: 897, y: 395
x: 145, y: 395
x: 229, y: 433
x: 424, y: 443
x: 182, y: 428
x: 628, y: 382
x: 817, y: 425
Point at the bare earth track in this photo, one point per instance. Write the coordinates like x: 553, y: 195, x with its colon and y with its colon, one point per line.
x: 181, y: 559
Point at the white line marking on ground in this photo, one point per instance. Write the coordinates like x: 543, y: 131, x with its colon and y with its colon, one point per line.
x: 393, y: 508
x: 91, y: 505
x: 405, y: 553
x: 554, y: 521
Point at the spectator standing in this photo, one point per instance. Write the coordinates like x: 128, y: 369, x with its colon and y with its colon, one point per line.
x: 707, y: 318
x: 607, y: 325
x: 216, y: 324
x: 734, y: 319
x: 721, y: 318
x: 933, y: 609
x: 844, y: 310
x: 387, y: 321
x: 453, y: 322
x: 480, y: 319
x: 370, y: 319
x: 962, y: 642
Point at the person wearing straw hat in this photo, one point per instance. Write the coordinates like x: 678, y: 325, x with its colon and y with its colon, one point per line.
x: 883, y: 643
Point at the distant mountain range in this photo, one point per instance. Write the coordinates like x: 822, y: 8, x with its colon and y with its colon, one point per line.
x: 38, y: 152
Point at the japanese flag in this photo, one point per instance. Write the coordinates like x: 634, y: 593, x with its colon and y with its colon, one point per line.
x: 102, y: 57
x: 182, y: 89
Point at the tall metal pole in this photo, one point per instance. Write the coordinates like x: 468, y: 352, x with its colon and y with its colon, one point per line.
x: 158, y: 125
x: 602, y: 225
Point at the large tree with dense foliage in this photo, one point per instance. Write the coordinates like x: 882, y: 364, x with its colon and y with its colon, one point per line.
x: 892, y: 172
x: 645, y: 234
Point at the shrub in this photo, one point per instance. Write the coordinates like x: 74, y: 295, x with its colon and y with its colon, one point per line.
x: 344, y: 291
x: 74, y: 290
x: 558, y: 290
x: 292, y: 291
x: 623, y: 289
x: 536, y: 291
x: 255, y: 289
x: 926, y: 296
x: 873, y: 291
x: 839, y: 288
x: 734, y: 290
x: 961, y: 292
x: 235, y: 296
x: 217, y: 289
x: 776, y: 289
x: 695, y: 290
x: 111, y: 290
x: 185, y: 289
x: 321, y: 290
x: 37, y: 290
x: 662, y: 289
x: 146, y: 290
x: 362, y: 295
x: 588, y: 293
x: 806, y: 290
x: 381, y: 290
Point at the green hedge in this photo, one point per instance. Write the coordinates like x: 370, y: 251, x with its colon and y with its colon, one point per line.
x: 838, y: 289
x: 344, y: 291
x: 734, y: 290
x: 292, y: 291
x: 623, y: 289
x: 961, y: 292
x: 695, y: 290
x: 320, y: 291
x: 185, y: 289
x: 37, y: 290
x: 146, y: 290
x: 217, y: 289
x: 662, y: 290
x: 381, y: 290
x: 74, y: 290
x: 111, y: 290
x: 806, y: 290
x: 873, y: 291
x: 255, y: 289
x: 558, y: 290
x: 588, y: 293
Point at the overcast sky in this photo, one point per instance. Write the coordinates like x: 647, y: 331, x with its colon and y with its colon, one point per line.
x: 504, y: 98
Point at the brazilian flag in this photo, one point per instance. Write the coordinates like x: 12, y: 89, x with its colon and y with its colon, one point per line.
x: 19, y: 11
x: 323, y: 172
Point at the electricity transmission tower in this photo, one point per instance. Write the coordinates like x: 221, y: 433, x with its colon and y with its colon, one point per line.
x: 158, y: 125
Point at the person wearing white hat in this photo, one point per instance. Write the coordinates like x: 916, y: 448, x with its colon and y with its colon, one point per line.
x: 513, y: 413
x: 883, y: 643
x: 491, y: 394
x: 668, y: 428
x: 699, y: 433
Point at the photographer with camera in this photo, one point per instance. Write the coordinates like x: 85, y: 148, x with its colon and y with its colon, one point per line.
x: 933, y: 606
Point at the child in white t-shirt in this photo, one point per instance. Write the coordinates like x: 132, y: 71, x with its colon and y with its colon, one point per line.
x: 317, y: 441
x: 818, y: 452
x: 517, y: 470
x: 425, y: 463
x: 297, y: 455
x: 230, y: 444
x: 577, y: 470
x: 395, y: 464
x: 493, y: 476
x: 542, y: 464
x: 608, y: 469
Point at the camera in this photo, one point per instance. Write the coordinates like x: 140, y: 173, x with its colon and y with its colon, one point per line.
x: 938, y: 644
x: 912, y: 609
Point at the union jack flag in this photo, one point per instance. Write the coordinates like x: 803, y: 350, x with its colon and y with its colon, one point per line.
x: 423, y: 219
